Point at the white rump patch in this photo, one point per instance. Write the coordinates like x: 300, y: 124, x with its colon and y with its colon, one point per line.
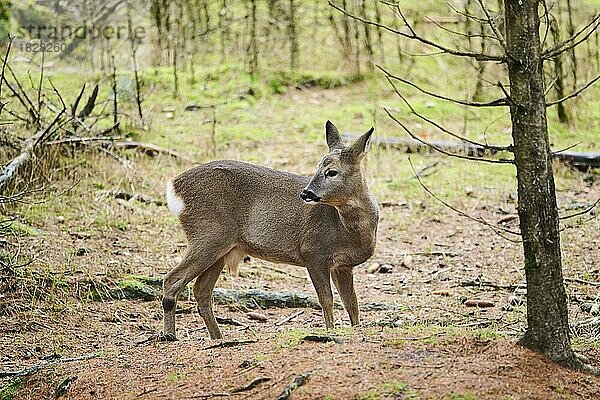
x: 173, y: 200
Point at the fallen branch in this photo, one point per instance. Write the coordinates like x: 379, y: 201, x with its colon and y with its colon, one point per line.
x: 148, y: 148
x: 26, y: 154
x: 481, y: 283
x: 231, y: 343
x: 296, y: 383
x: 252, y: 384
x: 142, y: 198
x: 150, y: 288
x: 32, y: 370
x: 579, y: 160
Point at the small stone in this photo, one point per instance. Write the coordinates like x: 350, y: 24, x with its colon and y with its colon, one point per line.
x: 444, y: 293
x: 385, y: 268
x: 372, y: 268
x: 407, y: 261
x: 60, y: 219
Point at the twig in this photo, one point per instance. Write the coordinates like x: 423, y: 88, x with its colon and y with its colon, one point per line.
x: 252, y: 384
x: 10, y: 40
x: 574, y: 94
x: 492, y: 25
x: 231, y: 343
x: 582, y: 281
x: 572, y: 42
x: 296, y: 383
x: 429, y: 144
x: 209, y: 395
x: 288, y: 318
x: 32, y: 370
x: 478, y: 282
x: 587, y: 210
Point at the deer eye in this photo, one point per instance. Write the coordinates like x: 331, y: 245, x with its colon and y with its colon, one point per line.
x: 331, y: 173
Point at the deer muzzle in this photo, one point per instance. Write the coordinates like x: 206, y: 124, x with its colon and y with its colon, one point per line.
x: 309, y: 197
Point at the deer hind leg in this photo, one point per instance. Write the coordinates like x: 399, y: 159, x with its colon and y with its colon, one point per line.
x: 321, y: 280
x: 343, y: 280
x: 203, y: 290
x: 198, y: 258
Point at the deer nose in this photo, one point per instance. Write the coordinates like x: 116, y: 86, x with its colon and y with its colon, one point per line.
x: 308, y: 196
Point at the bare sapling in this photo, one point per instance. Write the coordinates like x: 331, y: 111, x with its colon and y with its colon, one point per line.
x: 229, y: 209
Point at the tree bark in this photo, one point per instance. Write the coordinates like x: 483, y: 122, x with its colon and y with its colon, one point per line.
x: 547, y: 314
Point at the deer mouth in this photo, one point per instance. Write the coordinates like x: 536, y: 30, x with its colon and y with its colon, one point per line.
x: 309, y: 197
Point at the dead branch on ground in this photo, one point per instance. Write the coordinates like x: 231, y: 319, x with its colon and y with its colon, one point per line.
x: 46, y: 364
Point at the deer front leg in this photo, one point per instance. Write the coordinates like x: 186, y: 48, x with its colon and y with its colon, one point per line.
x: 344, y: 282
x: 321, y: 280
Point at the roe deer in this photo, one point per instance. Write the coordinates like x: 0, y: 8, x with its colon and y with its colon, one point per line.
x: 327, y: 223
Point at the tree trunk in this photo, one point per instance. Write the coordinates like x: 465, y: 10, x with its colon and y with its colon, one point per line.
x: 368, y: 41
x: 547, y: 314
x: 560, y: 76
x: 253, y: 45
x: 293, y: 37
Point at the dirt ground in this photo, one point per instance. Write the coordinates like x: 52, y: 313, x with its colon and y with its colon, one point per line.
x: 425, y: 344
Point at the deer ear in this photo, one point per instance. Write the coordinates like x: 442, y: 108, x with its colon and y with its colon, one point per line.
x: 334, y: 141
x: 362, y: 144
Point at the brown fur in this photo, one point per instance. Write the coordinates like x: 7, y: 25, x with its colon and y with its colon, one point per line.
x: 232, y: 208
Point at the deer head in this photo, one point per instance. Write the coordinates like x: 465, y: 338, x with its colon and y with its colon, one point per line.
x: 339, y: 175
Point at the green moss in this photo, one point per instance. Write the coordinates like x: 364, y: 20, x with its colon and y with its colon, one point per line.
x: 388, y: 389
x: 9, y: 391
x: 460, y: 396
x: 137, y: 287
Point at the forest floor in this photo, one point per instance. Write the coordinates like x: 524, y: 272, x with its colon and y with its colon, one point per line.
x: 424, y: 343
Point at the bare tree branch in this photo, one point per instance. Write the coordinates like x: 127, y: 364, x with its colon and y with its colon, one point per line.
x: 414, y: 36
x: 496, y: 229
x: 494, y: 103
x: 447, y: 131
x: 585, y: 211
x: 467, y: 35
x: 575, y: 93
x: 464, y: 14
x: 409, y: 132
x: 573, y: 41
x: 10, y: 41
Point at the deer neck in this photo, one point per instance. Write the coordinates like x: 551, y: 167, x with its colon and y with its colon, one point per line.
x: 359, y: 217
